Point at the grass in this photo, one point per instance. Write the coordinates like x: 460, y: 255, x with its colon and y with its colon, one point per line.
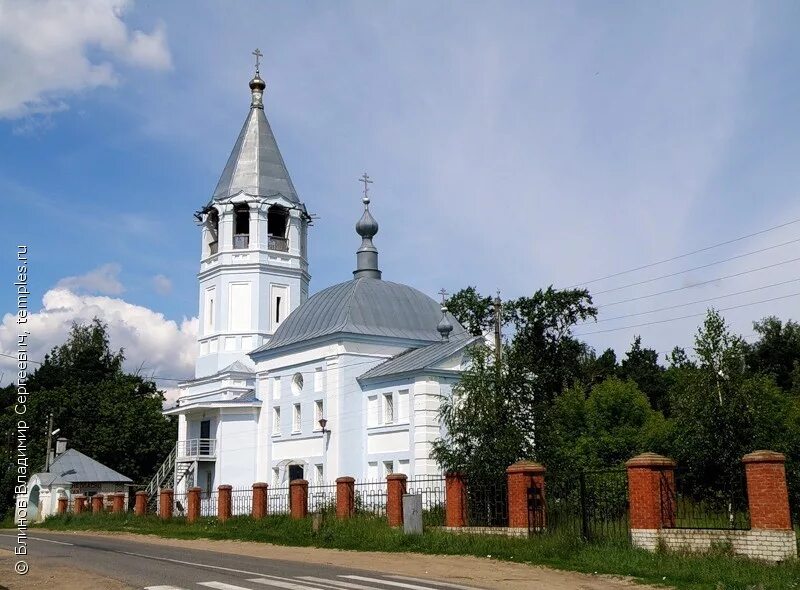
x: 717, y: 571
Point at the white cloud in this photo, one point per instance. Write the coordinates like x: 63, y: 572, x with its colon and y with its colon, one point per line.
x: 48, y: 50
x: 161, y: 347
x: 162, y: 285
x: 104, y: 280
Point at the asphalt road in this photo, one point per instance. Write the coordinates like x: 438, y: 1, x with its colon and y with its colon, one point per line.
x: 150, y: 567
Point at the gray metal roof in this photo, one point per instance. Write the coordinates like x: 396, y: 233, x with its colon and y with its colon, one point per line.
x: 365, y: 306
x: 255, y: 165
x: 248, y: 396
x: 73, y: 466
x: 419, y: 359
x: 236, y: 367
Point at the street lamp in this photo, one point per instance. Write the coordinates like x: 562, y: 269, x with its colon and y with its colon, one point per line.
x: 322, y: 424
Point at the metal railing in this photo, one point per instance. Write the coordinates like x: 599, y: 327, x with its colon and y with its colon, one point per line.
x: 241, y: 242
x: 278, y: 244
x: 241, y: 501
x: 487, y: 502
x: 688, y: 502
x: 322, y: 498
x: 370, y: 497
x: 432, y: 490
x: 278, y: 500
x: 213, y: 248
x: 197, y: 447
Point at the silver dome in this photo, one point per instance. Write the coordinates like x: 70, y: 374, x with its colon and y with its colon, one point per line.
x: 364, y: 306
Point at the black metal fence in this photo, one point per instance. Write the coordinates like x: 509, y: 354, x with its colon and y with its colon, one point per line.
x: 322, y: 498
x: 487, y: 502
x: 241, y: 501
x: 370, y: 497
x: 432, y: 490
x: 591, y: 504
x: 689, y: 501
x: 278, y: 500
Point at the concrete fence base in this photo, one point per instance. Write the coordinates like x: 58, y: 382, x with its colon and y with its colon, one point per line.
x: 757, y: 544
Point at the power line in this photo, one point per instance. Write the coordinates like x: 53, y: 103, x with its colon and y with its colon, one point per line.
x: 722, y: 278
x: 693, y: 315
x: 679, y: 256
x: 630, y: 315
x: 680, y: 272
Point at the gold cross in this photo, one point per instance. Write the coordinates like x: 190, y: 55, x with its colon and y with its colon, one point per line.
x: 366, y: 180
x: 258, y: 55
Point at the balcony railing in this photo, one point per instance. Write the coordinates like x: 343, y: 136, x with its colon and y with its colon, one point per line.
x: 241, y: 242
x: 213, y: 247
x: 197, y: 447
x: 278, y: 244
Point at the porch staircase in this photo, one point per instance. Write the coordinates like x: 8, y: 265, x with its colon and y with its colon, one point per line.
x: 169, y: 475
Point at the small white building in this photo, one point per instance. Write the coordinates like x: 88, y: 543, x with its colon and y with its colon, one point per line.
x: 368, y: 357
x: 70, y: 473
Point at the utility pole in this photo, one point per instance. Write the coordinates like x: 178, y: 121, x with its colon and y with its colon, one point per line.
x: 498, y: 342
x: 49, y: 442
x: 498, y: 336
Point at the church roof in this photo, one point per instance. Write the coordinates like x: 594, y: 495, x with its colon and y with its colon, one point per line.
x: 236, y: 367
x: 255, y: 165
x: 73, y: 466
x: 364, y: 306
x: 419, y: 359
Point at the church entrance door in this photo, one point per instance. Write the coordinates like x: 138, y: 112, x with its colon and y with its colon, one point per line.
x: 295, y: 472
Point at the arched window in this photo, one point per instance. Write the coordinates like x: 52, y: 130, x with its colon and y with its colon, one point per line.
x: 277, y: 225
x: 241, y: 226
x: 212, y: 225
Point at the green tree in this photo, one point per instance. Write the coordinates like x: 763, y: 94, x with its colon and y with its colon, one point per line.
x: 474, y: 311
x: 606, y: 428
x: 641, y: 366
x: 495, y: 413
x: 483, y: 434
x: 722, y: 411
x: 112, y: 416
x: 777, y: 352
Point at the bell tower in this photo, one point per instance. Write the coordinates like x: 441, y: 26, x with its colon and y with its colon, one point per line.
x: 254, y: 257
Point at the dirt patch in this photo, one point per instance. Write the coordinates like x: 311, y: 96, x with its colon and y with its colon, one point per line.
x: 44, y: 573
x: 483, y: 572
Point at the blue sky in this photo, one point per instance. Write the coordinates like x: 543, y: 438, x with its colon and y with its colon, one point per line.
x: 513, y: 145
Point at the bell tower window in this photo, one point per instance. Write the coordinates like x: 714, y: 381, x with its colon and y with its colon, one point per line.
x: 277, y: 223
x: 241, y: 226
x: 212, y: 227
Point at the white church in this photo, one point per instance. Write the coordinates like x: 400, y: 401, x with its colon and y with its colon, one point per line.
x: 287, y: 386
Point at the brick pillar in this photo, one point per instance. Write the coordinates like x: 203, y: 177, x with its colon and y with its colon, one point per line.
x: 298, y: 490
x: 193, y: 504
x: 395, y: 488
x: 140, y: 509
x: 521, y: 476
x: 767, y: 493
x: 651, y: 491
x: 224, y: 502
x: 260, y: 505
x: 97, y: 503
x: 118, y: 503
x: 345, y: 497
x: 80, y: 503
x: 455, y: 495
x: 165, y: 504
x: 62, y: 505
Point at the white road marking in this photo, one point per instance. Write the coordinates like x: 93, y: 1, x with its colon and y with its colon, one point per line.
x: 337, y: 583
x: 282, y: 584
x: 41, y: 539
x: 435, y: 583
x: 216, y: 567
x: 390, y: 583
x: 221, y: 586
